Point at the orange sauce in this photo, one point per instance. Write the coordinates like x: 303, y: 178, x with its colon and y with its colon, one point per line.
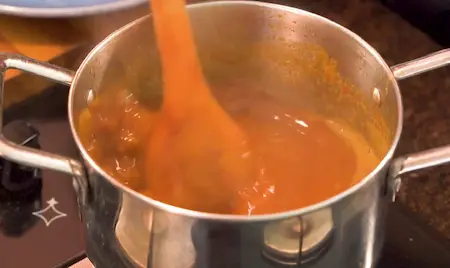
x: 300, y: 158
x: 238, y: 151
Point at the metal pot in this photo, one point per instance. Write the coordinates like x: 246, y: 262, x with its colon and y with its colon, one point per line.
x: 127, y: 229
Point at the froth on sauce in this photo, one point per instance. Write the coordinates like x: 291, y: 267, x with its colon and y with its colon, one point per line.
x: 301, y: 158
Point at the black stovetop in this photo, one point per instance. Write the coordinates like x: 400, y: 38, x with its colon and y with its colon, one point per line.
x: 54, y: 238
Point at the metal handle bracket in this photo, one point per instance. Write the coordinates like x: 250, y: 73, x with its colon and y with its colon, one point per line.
x: 29, y: 156
x: 428, y: 158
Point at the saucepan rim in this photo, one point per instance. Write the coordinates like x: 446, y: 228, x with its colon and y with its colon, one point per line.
x: 229, y: 217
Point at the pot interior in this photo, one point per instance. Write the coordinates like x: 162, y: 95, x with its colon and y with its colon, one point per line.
x: 298, y: 57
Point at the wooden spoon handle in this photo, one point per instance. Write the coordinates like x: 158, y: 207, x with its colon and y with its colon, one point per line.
x: 175, y: 41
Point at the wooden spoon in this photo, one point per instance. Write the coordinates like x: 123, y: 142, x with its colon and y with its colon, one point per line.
x: 197, y: 157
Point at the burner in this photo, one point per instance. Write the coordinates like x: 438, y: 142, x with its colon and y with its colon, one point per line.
x: 298, y: 240
x: 19, y: 186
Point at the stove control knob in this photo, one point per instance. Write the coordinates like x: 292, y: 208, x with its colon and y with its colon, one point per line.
x: 15, y: 178
x: 20, y: 186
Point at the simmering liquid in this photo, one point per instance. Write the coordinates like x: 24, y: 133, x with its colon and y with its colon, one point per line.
x: 300, y: 158
x: 274, y: 157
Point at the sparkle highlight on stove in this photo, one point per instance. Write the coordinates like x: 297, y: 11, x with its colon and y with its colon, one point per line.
x: 50, y: 213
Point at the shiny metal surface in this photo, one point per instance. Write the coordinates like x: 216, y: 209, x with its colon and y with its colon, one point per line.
x: 425, y: 159
x: 424, y: 64
x: 428, y: 158
x: 126, y: 229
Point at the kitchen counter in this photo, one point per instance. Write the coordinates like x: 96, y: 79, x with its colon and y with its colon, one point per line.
x: 426, y: 97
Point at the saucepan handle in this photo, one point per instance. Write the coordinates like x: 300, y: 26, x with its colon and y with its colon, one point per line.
x: 421, y: 65
x: 31, y: 157
x: 428, y: 158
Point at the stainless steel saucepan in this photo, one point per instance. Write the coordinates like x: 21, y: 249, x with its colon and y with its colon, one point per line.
x: 292, y: 54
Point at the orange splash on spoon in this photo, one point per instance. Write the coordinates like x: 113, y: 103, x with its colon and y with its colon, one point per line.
x: 197, y: 157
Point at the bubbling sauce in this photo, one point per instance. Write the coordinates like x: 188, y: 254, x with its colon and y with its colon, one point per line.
x: 300, y: 158
x: 237, y: 152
